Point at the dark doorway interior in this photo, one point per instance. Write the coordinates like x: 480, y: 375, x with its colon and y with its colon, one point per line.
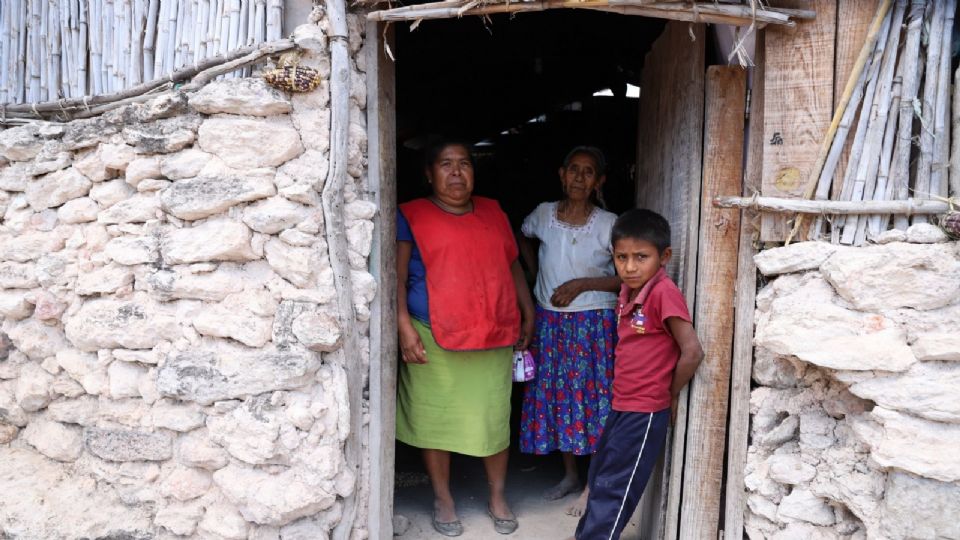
x: 522, y: 89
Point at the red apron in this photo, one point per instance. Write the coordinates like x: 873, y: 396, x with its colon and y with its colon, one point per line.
x: 471, y: 293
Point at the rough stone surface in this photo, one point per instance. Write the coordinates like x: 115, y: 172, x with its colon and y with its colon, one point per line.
x: 272, y: 499
x: 81, y: 210
x: 247, y: 318
x: 33, y: 391
x: 796, y: 257
x: 127, y: 445
x: 224, y: 371
x: 927, y: 390
x: 203, y: 196
x: 111, y: 192
x: 214, y: 240
x: 56, y: 188
x: 36, y: 339
x: 133, y: 250
x: 926, y: 233
x: 163, y: 136
x: 15, y: 304
x: 240, y: 96
x: 170, y: 415
x: 273, y: 215
x: 138, y: 323
x: 54, y: 440
x: 106, y: 279
x: 137, y: 209
x: 211, y: 286
x: 185, y: 164
x: 937, y: 346
x: 790, y: 469
x: 318, y: 331
x: 916, y: 507
x: 195, y: 449
x: 803, y: 505
x: 20, y: 143
x: 141, y: 169
x: 250, y: 142
x: 292, y: 263
x: 912, y: 444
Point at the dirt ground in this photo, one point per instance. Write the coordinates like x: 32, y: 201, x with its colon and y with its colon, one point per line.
x: 527, y: 479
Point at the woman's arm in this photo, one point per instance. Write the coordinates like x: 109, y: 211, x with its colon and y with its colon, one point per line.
x: 411, y: 348
x: 525, y: 302
x: 566, y: 293
x: 691, y: 353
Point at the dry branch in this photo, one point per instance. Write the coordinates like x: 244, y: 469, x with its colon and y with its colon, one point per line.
x: 803, y: 206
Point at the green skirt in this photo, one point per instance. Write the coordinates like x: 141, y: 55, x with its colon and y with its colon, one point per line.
x: 457, y: 401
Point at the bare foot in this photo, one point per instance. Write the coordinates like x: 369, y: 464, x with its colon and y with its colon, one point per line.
x: 576, y: 509
x: 445, y: 511
x: 561, y: 490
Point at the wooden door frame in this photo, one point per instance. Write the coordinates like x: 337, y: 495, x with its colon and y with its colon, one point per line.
x: 382, y: 187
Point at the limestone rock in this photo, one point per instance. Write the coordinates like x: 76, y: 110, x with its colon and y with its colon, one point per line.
x: 796, y: 257
x: 56, y: 188
x: 790, y: 469
x: 29, y: 246
x: 184, y: 164
x: 250, y: 432
x: 86, y: 369
x: 926, y: 233
x: 310, y: 169
x: 116, y: 156
x: 80, y: 210
x: 90, y: 165
x: 21, y: 143
x: 33, y: 387
x: 111, y: 192
x: 803, y: 505
x: 150, y: 185
x: 272, y: 499
x: 249, y: 142
x: 141, y: 357
x: 133, y: 250
x: 915, y: 445
x: 915, y: 507
x: 927, y: 390
x: 8, y: 433
x: 211, y: 286
x: 14, y: 177
x: 776, y: 371
x: 250, y: 96
x: 14, y: 275
x: 194, y: 449
x: 889, y: 237
x: 163, y: 136
x: 36, y: 339
x: 54, y: 440
x: 176, y: 417
x: 139, y: 208
x: 247, y: 318
x: 106, y: 279
x: 125, y: 379
x: 297, y: 238
x: 15, y: 304
x: 214, y: 240
x: 179, y: 518
x: 142, y: 169
x: 203, y: 196
x: 127, y: 445
x: 937, y: 346
x: 318, y: 331
x: 184, y: 483
x: 805, y: 531
x: 138, y: 323
x: 10, y: 411
x: 360, y: 237
x: 81, y: 411
x: 310, y: 37
x: 223, y: 521
x: 273, y: 215
x: 292, y: 263
x: 50, y: 160
x: 361, y: 210
x: 217, y: 371
x: 896, y: 275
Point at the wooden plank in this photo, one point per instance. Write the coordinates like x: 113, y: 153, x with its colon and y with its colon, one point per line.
x: 382, y: 181
x: 853, y: 21
x: 716, y: 277
x: 670, y: 145
x: 798, y: 83
x: 738, y: 428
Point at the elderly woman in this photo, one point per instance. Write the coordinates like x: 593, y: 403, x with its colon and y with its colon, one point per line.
x: 566, y: 405
x: 462, y: 305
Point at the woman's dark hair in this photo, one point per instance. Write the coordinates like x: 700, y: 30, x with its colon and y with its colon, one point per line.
x: 436, y: 146
x: 595, y: 153
x: 642, y: 224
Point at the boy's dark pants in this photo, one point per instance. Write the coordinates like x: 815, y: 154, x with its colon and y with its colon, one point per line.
x: 627, y: 452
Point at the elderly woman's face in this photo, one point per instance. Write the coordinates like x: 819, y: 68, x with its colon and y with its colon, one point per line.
x: 451, y: 176
x: 580, y: 177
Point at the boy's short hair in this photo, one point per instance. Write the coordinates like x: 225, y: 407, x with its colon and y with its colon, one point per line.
x: 642, y: 224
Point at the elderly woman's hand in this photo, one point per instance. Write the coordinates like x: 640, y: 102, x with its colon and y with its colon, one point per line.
x: 411, y: 348
x: 566, y: 293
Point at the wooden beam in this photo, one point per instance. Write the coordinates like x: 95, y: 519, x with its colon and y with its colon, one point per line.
x: 669, y: 149
x: 738, y: 428
x: 382, y: 181
x: 780, y: 205
x: 799, y: 104
x: 717, y: 266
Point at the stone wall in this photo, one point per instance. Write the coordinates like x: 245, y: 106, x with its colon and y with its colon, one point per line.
x: 856, y: 410
x: 169, y: 315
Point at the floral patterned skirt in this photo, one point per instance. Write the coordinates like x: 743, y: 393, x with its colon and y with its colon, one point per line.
x: 566, y: 405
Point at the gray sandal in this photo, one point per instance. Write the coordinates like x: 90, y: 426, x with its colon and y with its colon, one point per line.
x: 503, y: 526
x: 450, y: 528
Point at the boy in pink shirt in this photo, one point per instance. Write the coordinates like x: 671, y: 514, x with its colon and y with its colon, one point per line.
x: 656, y: 356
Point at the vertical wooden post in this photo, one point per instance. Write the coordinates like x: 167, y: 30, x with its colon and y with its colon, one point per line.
x: 382, y: 178
x: 746, y: 293
x: 799, y: 88
x: 669, y: 152
x: 719, y: 234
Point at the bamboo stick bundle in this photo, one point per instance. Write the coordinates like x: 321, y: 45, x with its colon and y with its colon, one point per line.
x: 866, y: 179
x: 242, y: 33
x: 217, y: 16
x: 929, y: 102
x: 859, y: 138
x: 186, y: 35
x: 66, y: 73
x: 56, y: 51
x: 75, y: 57
x: 34, y: 61
x: 4, y: 52
x: 45, y: 71
x: 213, y: 36
x: 150, y: 38
x: 233, y: 14
x: 274, y: 19
x: 884, y: 189
x: 178, y: 50
x: 170, y: 57
x: 21, y: 26
x: 96, y: 48
x: 223, y: 45
x: 163, y: 36
x: 200, y: 30
x: 941, y: 144
x: 107, y: 65
x: 260, y: 22
x: 82, y: 73
x: 900, y: 168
